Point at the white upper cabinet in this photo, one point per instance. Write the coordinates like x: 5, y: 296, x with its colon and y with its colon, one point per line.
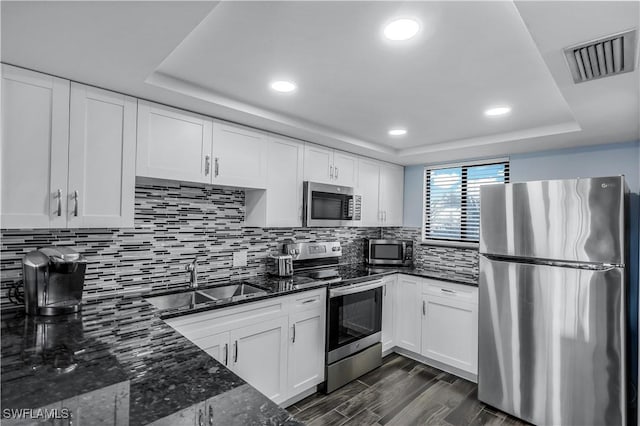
x: 381, y: 186
x: 391, y: 194
x: 326, y: 165
x: 67, y: 161
x: 35, y: 137
x: 281, y: 204
x: 102, y: 148
x: 239, y: 157
x: 345, y: 169
x: 173, y: 144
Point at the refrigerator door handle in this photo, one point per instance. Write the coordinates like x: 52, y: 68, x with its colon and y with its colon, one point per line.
x: 557, y: 263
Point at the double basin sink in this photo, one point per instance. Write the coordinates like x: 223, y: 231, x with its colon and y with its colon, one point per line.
x: 229, y: 293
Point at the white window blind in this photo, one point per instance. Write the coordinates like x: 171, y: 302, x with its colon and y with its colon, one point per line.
x: 452, y: 198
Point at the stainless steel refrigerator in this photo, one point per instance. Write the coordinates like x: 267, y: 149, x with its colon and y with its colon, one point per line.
x: 553, y: 300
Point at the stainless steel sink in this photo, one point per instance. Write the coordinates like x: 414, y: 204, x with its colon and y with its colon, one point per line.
x: 233, y: 291
x: 192, y: 298
x: 178, y: 300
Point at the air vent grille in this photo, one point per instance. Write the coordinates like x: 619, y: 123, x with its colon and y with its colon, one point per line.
x: 605, y: 57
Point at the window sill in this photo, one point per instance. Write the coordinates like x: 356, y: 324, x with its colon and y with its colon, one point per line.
x: 456, y: 244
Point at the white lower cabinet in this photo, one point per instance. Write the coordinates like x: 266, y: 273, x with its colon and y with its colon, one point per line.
x: 407, y: 319
x: 388, y: 311
x: 437, y: 321
x: 306, y: 350
x: 259, y: 356
x: 450, y: 324
x: 276, y: 345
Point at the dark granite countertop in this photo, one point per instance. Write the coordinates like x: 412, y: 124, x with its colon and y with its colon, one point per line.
x: 121, y: 340
x: 124, y: 340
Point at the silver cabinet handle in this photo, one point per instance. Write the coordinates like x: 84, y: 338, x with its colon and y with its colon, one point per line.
x: 207, y: 164
x: 424, y: 308
x: 200, y: 419
x: 210, y: 416
x: 75, y: 206
x: 216, y: 167
x: 235, y: 358
x: 336, y: 173
x: 446, y: 290
x: 293, y: 339
x: 59, y: 195
x: 70, y: 418
x: 331, y: 172
x: 226, y: 353
x: 385, y: 290
x: 309, y: 301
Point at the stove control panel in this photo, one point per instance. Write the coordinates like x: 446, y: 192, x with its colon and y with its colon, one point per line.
x: 321, y: 250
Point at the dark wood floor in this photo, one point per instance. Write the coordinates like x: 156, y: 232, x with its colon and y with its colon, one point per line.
x: 401, y: 392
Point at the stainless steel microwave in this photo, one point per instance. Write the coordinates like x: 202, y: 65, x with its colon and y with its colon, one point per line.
x: 389, y: 252
x: 330, y: 205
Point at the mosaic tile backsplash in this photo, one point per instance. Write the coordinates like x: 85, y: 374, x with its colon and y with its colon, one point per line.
x: 174, y: 222
x: 447, y: 259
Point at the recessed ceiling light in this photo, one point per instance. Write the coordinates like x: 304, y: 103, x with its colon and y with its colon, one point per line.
x: 283, y: 86
x: 501, y: 110
x: 397, y: 132
x: 401, y: 29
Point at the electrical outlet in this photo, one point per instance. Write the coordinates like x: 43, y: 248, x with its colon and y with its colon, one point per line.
x: 239, y: 259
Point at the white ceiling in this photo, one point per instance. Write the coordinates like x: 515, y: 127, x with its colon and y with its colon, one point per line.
x: 353, y: 85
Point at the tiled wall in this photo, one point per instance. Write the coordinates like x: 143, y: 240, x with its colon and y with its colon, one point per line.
x: 448, y: 259
x: 173, y: 223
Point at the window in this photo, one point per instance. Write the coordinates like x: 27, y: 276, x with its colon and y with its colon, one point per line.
x: 452, y: 198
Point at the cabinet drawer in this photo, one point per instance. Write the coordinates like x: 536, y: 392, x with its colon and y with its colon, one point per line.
x: 204, y: 324
x: 450, y: 290
x: 309, y: 300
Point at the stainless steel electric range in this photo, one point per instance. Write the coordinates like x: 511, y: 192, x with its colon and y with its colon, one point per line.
x: 354, y: 310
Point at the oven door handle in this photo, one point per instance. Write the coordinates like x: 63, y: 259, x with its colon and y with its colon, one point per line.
x: 355, y: 288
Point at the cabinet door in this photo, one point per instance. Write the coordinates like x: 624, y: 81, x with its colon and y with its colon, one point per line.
x: 239, y: 157
x: 388, y: 309
x: 35, y: 138
x: 217, y: 346
x: 368, y: 186
x: 306, y: 350
x: 102, y: 146
x: 345, y: 169
x: 408, y: 313
x: 260, y: 356
x: 318, y: 163
x: 450, y: 332
x: 173, y: 144
x: 100, y: 407
x: 391, y: 194
x: 281, y: 203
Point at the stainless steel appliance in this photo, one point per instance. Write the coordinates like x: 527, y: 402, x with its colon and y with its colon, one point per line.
x: 389, y: 252
x: 354, y: 312
x: 330, y: 205
x: 553, y: 301
x: 53, y: 281
x: 280, y: 265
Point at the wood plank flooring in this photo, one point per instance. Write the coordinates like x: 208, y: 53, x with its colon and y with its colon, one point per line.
x: 401, y: 392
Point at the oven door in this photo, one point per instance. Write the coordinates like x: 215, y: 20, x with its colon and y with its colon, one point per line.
x: 354, y: 319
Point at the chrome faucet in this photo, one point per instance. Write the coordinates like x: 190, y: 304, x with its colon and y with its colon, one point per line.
x: 192, y: 268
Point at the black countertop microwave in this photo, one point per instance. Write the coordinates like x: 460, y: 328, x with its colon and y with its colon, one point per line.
x: 389, y: 252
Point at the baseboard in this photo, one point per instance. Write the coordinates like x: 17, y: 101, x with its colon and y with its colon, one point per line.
x: 299, y: 397
x: 433, y: 363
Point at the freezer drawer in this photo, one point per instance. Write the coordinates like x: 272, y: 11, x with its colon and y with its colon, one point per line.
x: 552, y: 343
x: 573, y: 220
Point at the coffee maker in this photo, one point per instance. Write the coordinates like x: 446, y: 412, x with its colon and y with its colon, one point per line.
x: 53, y: 281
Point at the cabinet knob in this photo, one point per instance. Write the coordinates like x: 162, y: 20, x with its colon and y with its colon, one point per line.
x: 207, y: 164
x: 59, y: 196
x: 75, y: 205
